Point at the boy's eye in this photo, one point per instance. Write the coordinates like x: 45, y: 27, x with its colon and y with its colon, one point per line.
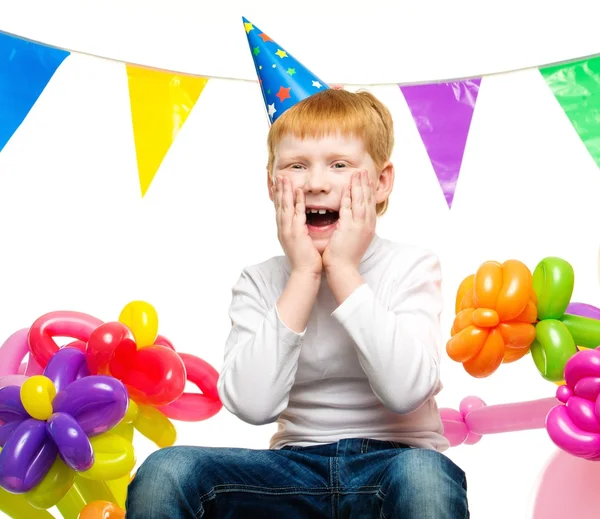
x: 296, y: 166
x: 339, y: 165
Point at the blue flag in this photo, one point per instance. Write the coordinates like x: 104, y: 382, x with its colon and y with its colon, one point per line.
x: 25, y: 70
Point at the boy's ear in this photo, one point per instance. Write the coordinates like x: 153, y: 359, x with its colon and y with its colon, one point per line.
x: 385, y: 183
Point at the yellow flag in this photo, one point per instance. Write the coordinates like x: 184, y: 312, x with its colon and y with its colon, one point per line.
x: 160, y: 104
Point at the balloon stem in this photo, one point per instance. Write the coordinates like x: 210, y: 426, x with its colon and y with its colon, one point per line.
x: 502, y: 418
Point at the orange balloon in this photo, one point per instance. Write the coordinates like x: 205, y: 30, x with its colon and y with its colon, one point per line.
x: 463, y: 319
x: 489, y: 358
x: 101, y: 510
x: 495, y: 318
x: 463, y: 288
x: 468, y: 300
x: 517, y: 335
x: 485, y: 317
x: 529, y: 314
x: 466, y: 344
x: 515, y: 290
x: 513, y: 354
x: 488, y: 282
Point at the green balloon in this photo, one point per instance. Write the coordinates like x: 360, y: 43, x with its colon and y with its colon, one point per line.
x: 584, y: 330
x: 552, y: 348
x: 553, y: 282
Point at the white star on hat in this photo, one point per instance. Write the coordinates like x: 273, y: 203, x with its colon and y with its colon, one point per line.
x: 272, y: 110
x: 316, y: 84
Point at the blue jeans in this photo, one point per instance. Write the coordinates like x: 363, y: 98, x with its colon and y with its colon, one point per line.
x: 354, y: 478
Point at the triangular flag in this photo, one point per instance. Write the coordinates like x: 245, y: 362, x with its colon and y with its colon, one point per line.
x: 25, y: 70
x: 160, y: 104
x: 443, y: 113
x: 576, y: 87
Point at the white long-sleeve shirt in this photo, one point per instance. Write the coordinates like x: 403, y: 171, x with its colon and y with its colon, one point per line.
x: 368, y: 368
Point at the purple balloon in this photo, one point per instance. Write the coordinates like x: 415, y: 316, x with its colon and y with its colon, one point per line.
x: 583, y: 310
x: 73, y: 445
x: 65, y: 367
x: 98, y: 403
x: 7, y: 429
x: 26, y: 457
x: 11, y: 408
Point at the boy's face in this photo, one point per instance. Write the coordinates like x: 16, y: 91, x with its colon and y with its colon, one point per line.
x: 321, y: 167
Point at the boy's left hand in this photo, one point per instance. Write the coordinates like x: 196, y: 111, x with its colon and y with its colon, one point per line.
x: 356, y: 225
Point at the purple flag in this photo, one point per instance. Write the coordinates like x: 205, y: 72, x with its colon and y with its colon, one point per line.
x: 443, y: 113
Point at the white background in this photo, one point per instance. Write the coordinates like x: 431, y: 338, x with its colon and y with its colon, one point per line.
x: 76, y: 235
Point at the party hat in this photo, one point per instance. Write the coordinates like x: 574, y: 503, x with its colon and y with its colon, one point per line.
x: 283, y: 79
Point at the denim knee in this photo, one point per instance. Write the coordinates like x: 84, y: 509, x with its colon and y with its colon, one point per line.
x: 425, y: 484
x: 426, y: 470
x: 169, y: 478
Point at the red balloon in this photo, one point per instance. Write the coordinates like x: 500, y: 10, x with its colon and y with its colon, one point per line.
x: 102, y: 344
x: 154, y: 375
x: 75, y: 325
x: 78, y: 345
x: 163, y: 341
x: 194, y: 407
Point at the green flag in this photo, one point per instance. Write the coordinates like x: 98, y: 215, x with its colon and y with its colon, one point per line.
x: 576, y: 87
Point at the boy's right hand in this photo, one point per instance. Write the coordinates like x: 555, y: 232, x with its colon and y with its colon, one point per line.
x: 292, y: 231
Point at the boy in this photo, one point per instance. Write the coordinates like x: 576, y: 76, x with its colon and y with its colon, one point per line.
x: 338, y: 341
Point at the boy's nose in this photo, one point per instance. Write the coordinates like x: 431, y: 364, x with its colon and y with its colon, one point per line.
x: 316, y: 181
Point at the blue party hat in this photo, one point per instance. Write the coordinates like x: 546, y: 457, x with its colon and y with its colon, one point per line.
x: 283, y: 79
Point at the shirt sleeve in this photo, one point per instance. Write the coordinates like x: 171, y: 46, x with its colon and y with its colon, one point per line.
x: 261, y: 356
x: 399, y: 344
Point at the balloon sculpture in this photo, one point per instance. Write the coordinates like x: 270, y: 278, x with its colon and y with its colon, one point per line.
x: 503, y: 312
x: 67, y: 415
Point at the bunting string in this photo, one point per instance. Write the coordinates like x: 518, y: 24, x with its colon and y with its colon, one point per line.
x: 162, y: 100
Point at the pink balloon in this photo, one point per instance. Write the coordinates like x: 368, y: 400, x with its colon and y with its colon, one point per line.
x: 469, y: 404
x: 575, y: 426
x: 13, y: 351
x: 568, y: 488
x: 33, y: 368
x: 455, y: 430
x: 12, y: 380
x: 502, y: 418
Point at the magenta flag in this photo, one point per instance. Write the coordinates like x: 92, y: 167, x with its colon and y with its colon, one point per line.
x: 443, y: 113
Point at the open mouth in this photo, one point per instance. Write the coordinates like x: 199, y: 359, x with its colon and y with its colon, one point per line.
x: 321, y: 217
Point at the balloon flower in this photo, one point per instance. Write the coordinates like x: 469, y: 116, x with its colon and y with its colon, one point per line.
x: 132, y: 351
x: 56, y: 416
x: 495, y: 312
x: 575, y: 426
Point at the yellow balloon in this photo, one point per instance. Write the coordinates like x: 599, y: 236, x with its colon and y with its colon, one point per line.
x: 70, y: 505
x: 113, y: 457
x: 125, y: 430
x: 131, y: 413
x: 119, y: 489
x: 16, y: 506
x: 141, y: 318
x: 55, y: 485
x: 155, y: 426
x: 92, y: 490
x: 37, y: 393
